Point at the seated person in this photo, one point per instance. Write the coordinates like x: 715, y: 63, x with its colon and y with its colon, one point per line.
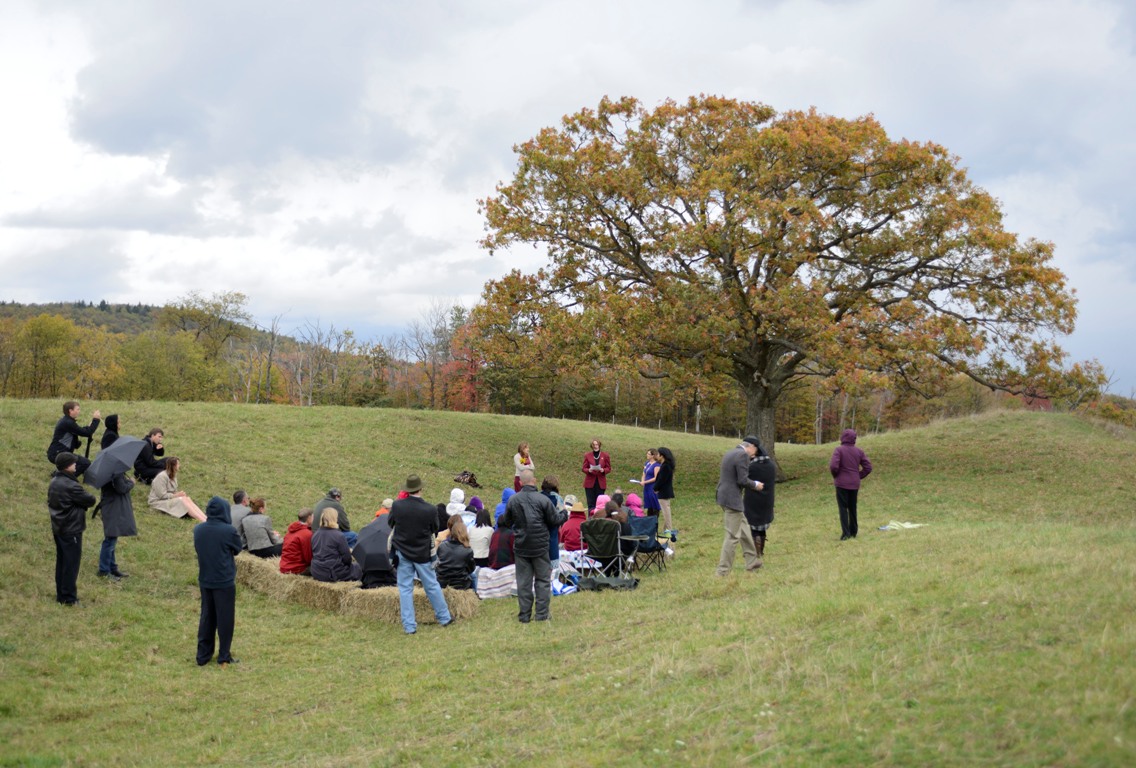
x: 570, y: 530
x: 479, y: 536
x: 68, y: 435
x: 334, y: 500
x: 150, y: 459
x: 110, y: 431
x: 256, y: 530
x: 165, y: 496
x: 331, y: 557
x: 614, y: 512
x: 237, y: 512
x: 455, y: 557
x: 501, y: 547
x: 635, y: 505
x: 372, y: 552
x: 296, y: 552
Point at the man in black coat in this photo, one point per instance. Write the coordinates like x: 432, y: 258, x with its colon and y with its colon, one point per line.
x: 151, y: 462
x: 415, y: 521
x: 217, y: 543
x: 68, y: 435
x: 68, y: 502
x: 531, y: 514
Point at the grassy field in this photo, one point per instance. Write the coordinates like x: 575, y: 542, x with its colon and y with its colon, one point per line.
x: 1002, y: 633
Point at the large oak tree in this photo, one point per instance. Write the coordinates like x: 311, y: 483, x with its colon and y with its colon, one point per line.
x: 724, y: 236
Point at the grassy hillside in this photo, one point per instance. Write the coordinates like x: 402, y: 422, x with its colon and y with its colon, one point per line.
x: 999, y: 634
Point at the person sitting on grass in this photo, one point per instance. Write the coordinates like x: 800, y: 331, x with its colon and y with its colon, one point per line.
x: 256, y: 529
x: 68, y: 436
x: 479, y: 537
x: 151, y: 459
x: 296, y: 552
x: 455, y: 557
x: 165, y: 496
x: 331, y: 557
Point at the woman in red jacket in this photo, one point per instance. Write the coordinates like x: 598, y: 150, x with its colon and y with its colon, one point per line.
x: 597, y: 466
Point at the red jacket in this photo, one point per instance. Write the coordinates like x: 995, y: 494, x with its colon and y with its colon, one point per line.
x: 570, y: 531
x: 297, y: 554
x: 596, y: 477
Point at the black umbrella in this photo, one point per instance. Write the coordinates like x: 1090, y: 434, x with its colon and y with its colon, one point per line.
x: 371, y: 549
x: 118, y: 457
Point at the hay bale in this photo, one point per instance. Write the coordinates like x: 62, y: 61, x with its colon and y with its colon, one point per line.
x: 320, y: 595
x: 263, y: 575
x: 380, y: 604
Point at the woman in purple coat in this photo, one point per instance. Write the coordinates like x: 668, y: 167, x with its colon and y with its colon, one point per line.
x: 849, y: 465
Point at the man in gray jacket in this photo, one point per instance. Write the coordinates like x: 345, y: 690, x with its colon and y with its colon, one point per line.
x: 531, y: 514
x: 732, y: 481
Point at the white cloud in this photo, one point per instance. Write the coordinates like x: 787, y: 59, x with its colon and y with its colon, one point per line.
x: 327, y: 160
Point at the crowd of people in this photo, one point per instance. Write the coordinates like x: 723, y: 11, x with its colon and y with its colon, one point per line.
x: 408, y: 540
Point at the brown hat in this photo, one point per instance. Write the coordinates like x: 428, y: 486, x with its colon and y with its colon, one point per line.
x: 413, y: 484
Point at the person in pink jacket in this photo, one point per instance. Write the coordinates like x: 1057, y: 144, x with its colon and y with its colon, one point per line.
x: 849, y: 465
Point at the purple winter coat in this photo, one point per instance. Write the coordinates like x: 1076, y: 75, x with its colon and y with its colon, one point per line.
x: 849, y: 464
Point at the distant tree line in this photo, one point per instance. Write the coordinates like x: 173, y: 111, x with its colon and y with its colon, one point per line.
x: 208, y: 348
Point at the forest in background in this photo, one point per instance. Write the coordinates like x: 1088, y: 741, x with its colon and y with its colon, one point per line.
x: 207, y: 348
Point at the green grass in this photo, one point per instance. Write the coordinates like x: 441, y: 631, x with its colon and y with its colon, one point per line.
x: 1002, y: 633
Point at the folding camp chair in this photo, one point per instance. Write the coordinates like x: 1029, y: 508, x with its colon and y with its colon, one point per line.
x: 651, y: 550
x: 601, y: 542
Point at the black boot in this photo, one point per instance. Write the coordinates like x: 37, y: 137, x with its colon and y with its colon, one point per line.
x: 760, y: 542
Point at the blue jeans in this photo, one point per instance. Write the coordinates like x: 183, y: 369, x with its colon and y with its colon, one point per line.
x: 107, y: 562
x: 425, y: 573
x: 351, y: 537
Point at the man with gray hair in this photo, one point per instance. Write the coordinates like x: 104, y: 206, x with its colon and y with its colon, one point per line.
x: 531, y: 514
x: 732, y: 481
x: 238, y: 512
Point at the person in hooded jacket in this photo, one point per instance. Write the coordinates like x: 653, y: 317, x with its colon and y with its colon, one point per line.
x: 110, y: 431
x: 117, y: 511
x: 217, y: 544
x: 67, y: 503
x: 296, y: 554
x: 849, y: 465
x: 499, y: 510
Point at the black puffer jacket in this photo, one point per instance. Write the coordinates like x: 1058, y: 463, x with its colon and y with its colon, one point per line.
x: 68, y: 502
x: 530, y: 513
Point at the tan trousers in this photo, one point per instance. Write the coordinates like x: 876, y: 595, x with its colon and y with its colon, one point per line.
x: 737, y: 532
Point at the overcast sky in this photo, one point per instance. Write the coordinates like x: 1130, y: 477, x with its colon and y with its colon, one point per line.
x: 326, y: 158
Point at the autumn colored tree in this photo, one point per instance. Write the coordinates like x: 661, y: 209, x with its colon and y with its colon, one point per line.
x: 725, y: 237
x: 212, y: 320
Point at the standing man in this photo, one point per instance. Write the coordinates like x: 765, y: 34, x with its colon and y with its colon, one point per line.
x: 530, y: 513
x: 334, y: 499
x: 732, y: 481
x: 68, y: 502
x: 415, y: 522
x: 68, y: 434
x: 238, y: 512
x: 217, y: 543
x: 151, y: 462
x: 849, y: 465
x: 597, y: 466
